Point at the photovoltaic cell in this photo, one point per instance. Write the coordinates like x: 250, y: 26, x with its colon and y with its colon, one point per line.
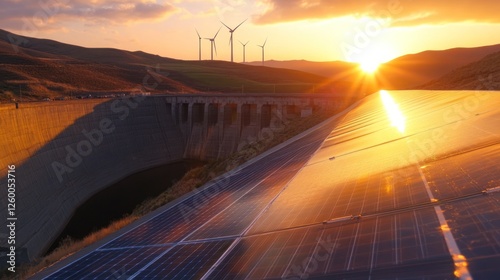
x: 475, y: 224
x: 302, y: 204
x: 463, y: 174
x: 235, y: 219
x: 189, y: 261
x: 111, y: 264
x: 410, y: 239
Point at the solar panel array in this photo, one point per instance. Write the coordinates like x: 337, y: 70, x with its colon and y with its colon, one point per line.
x: 354, y: 199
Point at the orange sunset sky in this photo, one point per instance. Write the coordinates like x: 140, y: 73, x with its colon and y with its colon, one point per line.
x: 317, y: 30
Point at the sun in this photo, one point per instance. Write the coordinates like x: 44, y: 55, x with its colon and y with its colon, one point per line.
x: 369, y: 66
x: 371, y: 58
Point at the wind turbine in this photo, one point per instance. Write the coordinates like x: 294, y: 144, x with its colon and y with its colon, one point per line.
x: 263, y: 45
x: 213, y: 45
x: 231, y: 38
x: 199, y: 44
x: 244, y: 45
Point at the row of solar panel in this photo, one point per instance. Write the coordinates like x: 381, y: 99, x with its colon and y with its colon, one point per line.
x: 122, y: 255
x: 177, y: 222
x: 374, y: 246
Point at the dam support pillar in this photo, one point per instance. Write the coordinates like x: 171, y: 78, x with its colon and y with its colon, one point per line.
x: 205, y: 119
x: 190, y: 117
x: 238, y: 119
x: 220, y: 121
x: 258, y: 112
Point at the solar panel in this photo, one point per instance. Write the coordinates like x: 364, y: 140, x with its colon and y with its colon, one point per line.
x: 236, y: 218
x: 323, y: 201
x: 109, y: 264
x: 190, y: 261
x: 475, y: 224
x: 175, y: 223
x: 377, y: 244
x: 355, y: 199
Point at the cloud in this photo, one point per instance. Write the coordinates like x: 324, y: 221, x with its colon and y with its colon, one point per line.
x: 45, y: 14
x: 402, y: 12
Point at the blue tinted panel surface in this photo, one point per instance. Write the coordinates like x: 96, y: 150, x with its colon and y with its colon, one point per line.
x: 190, y: 261
x: 111, y: 264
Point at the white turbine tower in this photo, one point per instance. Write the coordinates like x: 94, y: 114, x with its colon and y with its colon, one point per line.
x: 213, y: 45
x: 199, y: 44
x: 231, y: 38
x: 244, y: 45
x: 263, y: 46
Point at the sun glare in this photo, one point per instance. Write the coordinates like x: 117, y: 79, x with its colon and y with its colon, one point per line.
x: 369, y: 66
x: 371, y: 58
x: 395, y: 115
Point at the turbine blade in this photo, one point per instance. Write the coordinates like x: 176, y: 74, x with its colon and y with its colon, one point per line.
x: 264, y: 43
x: 199, y: 37
x: 239, y: 24
x: 247, y: 43
x: 215, y: 47
x: 225, y: 25
x: 217, y: 32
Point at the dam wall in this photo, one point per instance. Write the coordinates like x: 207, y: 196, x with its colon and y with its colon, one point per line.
x: 66, y: 151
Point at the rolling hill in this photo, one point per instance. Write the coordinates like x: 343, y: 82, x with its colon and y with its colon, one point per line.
x: 412, y: 70
x: 41, y: 68
x: 480, y: 75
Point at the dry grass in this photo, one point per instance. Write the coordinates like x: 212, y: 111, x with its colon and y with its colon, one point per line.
x: 190, y: 181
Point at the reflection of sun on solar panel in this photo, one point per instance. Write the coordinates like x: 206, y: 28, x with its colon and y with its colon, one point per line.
x: 393, y: 112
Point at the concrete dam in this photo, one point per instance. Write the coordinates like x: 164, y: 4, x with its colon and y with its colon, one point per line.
x: 64, y: 152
